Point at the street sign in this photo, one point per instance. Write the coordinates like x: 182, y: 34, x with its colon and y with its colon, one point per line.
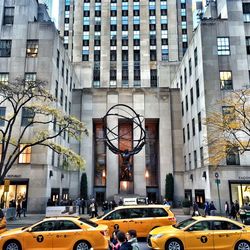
x: 6, y: 185
x: 217, y: 181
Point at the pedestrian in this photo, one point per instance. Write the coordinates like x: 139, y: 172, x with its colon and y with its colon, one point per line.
x: 131, y: 237
x: 18, y: 210
x: 212, y: 208
x: 120, y: 202
x: 237, y: 208
x: 93, y: 209
x: 166, y: 202
x: 233, y: 211
x: 105, y: 207
x: 50, y: 203
x: 207, y: 208
x: 226, y: 208
x: 121, y: 237
x: 83, y: 205
x: 195, y: 209
x: 24, y: 207
x: 78, y: 204
x: 114, y: 244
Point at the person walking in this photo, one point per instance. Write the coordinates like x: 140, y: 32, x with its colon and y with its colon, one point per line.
x: 233, y: 211
x: 226, y: 209
x: 212, y: 208
x: 105, y: 207
x: 92, y: 209
x: 121, y: 237
x: 24, y: 207
x: 237, y: 208
x: 18, y: 210
x: 207, y: 208
x: 83, y: 205
x: 195, y: 209
x: 131, y: 237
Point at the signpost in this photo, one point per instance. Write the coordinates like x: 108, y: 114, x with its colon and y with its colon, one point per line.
x: 217, y: 181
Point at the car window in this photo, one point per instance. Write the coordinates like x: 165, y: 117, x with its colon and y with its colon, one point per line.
x: 44, y: 226
x: 66, y: 225
x: 157, y: 212
x: 118, y: 214
x: 200, y: 226
x: 88, y: 222
x: 225, y: 225
x: 136, y: 213
x: 184, y: 223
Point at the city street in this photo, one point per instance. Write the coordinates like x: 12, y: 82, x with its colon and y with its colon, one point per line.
x: 25, y: 222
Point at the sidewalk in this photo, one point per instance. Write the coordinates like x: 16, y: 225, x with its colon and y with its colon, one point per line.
x: 33, y: 218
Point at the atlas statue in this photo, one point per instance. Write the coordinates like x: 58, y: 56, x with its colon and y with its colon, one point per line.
x: 113, y: 138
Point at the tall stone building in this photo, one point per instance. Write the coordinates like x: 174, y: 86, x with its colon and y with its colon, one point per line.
x: 127, y: 52
x: 30, y: 48
x: 216, y: 63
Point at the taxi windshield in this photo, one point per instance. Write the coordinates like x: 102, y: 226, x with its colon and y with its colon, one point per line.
x: 184, y: 223
x: 88, y: 222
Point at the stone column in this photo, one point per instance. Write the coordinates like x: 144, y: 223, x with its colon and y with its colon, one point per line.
x: 112, y: 185
x: 139, y: 159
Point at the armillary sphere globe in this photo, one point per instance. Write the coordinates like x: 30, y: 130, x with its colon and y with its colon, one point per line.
x: 113, y: 137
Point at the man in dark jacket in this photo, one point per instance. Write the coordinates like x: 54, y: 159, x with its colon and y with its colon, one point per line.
x: 121, y: 237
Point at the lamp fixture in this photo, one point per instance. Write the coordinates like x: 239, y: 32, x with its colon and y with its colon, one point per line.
x: 146, y: 174
x: 204, y: 175
x: 191, y: 177
x: 50, y: 173
x: 62, y: 176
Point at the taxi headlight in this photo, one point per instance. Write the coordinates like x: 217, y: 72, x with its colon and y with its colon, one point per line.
x: 157, y: 236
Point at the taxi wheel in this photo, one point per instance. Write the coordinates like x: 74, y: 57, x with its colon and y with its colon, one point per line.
x: 174, y: 244
x: 82, y: 245
x: 12, y: 245
x: 242, y: 245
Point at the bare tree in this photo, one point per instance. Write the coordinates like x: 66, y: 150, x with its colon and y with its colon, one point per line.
x: 42, y: 116
x: 229, y: 126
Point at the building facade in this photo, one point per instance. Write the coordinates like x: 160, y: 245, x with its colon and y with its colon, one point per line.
x: 216, y: 63
x: 127, y: 52
x: 30, y: 48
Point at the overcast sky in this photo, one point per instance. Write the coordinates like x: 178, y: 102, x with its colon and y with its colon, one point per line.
x: 55, y: 11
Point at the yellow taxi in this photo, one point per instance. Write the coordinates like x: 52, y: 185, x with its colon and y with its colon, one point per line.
x: 142, y: 218
x: 67, y: 233
x: 211, y: 232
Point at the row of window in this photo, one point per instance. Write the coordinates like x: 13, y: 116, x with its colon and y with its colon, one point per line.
x: 193, y: 128
x: 189, y: 165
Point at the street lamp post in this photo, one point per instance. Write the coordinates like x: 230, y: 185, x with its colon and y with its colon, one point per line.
x: 217, y: 181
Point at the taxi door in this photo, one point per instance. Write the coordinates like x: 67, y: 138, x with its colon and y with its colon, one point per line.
x: 199, y: 236
x: 138, y: 221
x: 39, y: 237
x: 65, y: 235
x: 226, y: 234
x: 117, y: 219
